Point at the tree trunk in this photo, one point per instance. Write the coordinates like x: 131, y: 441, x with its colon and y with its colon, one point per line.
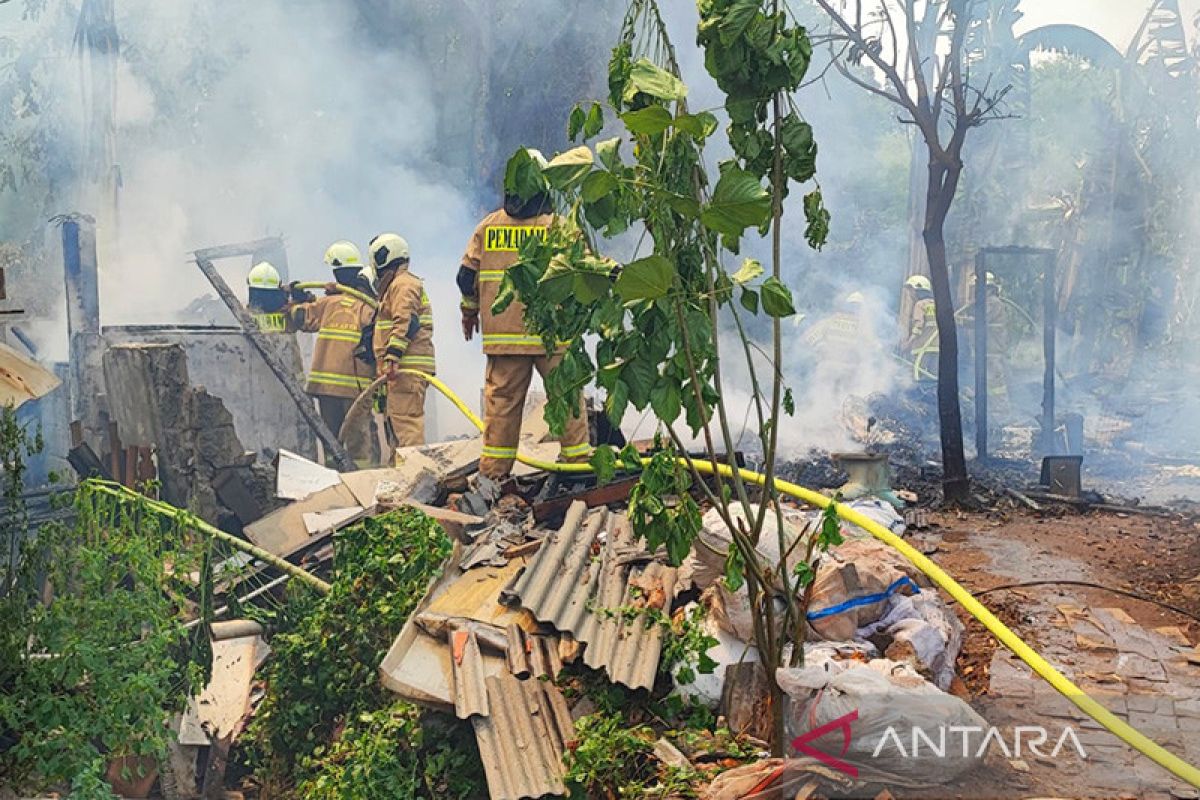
x: 943, y: 182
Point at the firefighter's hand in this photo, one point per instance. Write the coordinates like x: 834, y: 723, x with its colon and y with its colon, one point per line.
x: 298, y: 295
x: 470, y: 324
x: 391, y: 370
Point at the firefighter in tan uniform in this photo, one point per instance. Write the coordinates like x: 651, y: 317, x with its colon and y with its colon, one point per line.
x: 403, y: 338
x: 920, y: 345
x: 513, y: 353
x: 267, y: 298
x: 337, y: 377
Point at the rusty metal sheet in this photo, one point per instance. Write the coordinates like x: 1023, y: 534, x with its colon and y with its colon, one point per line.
x: 522, y: 739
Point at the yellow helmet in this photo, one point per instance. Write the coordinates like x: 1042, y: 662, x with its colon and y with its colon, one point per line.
x: 387, y: 250
x: 263, y: 276
x: 919, y: 282
x: 343, y: 254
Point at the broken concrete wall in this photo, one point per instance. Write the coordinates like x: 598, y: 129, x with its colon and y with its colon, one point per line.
x: 223, y: 361
x: 202, y: 464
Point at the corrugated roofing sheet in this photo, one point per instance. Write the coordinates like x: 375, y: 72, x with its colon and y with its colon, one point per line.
x: 523, y: 737
x: 467, y: 671
x: 558, y: 580
x: 570, y: 588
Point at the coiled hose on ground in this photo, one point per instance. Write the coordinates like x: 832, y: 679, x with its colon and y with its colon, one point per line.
x: 1114, y: 724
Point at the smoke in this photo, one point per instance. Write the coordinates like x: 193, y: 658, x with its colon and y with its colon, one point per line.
x: 238, y: 121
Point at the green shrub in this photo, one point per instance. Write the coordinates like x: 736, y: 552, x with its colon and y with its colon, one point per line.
x: 102, y: 667
x: 324, y: 671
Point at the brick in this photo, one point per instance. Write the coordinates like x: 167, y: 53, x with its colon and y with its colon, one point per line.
x: 1147, y: 722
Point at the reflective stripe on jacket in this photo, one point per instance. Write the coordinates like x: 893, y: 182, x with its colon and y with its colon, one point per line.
x: 338, y: 321
x: 404, y: 324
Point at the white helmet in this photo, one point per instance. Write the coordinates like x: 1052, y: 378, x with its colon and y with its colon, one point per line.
x: 343, y: 254
x: 919, y: 282
x: 387, y: 250
x: 264, y: 276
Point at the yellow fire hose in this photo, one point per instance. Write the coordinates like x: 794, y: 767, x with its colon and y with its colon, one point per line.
x: 342, y: 289
x: 1043, y: 668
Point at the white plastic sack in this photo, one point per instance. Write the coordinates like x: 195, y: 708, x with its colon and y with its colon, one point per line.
x: 729, y: 649
x: 925, y: 633
x: 903, y: 729
x: 706, y: 563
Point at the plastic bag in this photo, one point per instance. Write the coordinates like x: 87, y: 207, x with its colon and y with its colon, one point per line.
x: 924, y: 632
x: 902, y: 728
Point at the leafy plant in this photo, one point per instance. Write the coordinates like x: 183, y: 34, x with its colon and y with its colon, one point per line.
x: 659, y: 316
x: 323, y: 672
x: 612, y: 759
x: 394, y: 752
x: 105, y: 659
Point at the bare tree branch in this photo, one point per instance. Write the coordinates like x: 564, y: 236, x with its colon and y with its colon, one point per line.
x: 857, y: 81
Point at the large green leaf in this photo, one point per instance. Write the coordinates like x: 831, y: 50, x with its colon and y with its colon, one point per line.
x: 592, y: 278
x: 641, y: 376
x: 700, y: 125
x: 616, y: 402
x: 523, y: 176
x: 603, y: 463
x: 648, y: 78
x: 558, y: 281
x: 665, y: 400
x: 800, y: 149
x: 608, y: 151
x: 739, y: 201
x: 736, y: 18
x: 575, y: 122
x: 645, y: 279
x: 565, y: 169
x: 600, y: 212
x: 649, y: 121
x: 597, y: 185
x: 777, y: 298
x: 749, y: 300
x: 594, y: 122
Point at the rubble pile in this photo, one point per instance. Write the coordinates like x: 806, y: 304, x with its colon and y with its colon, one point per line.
x: 526, y: 607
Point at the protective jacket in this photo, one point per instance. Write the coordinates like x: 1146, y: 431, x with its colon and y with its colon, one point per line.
x: 922, y: 343
x: 404, y: 323
x: 493, y: 248
x: 338, y: 321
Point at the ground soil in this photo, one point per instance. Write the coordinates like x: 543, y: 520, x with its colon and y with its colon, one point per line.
x: 1156, y: 558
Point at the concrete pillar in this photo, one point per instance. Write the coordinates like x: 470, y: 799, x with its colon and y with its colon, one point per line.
x: 82, y: 290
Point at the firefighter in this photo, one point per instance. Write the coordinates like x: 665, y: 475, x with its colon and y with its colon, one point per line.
x: 267, y: 298
x: 920, y: 345
x: 512, y: 352
x: 403, y: 338
x: 337, y: 376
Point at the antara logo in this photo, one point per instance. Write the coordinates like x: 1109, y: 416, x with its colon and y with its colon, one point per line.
x: 969, y: 740
x: 842, y: 723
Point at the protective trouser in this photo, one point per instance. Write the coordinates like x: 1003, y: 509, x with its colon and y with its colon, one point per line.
x: 406, y: 410
x: 505, y: 383
x: 358, y: 441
